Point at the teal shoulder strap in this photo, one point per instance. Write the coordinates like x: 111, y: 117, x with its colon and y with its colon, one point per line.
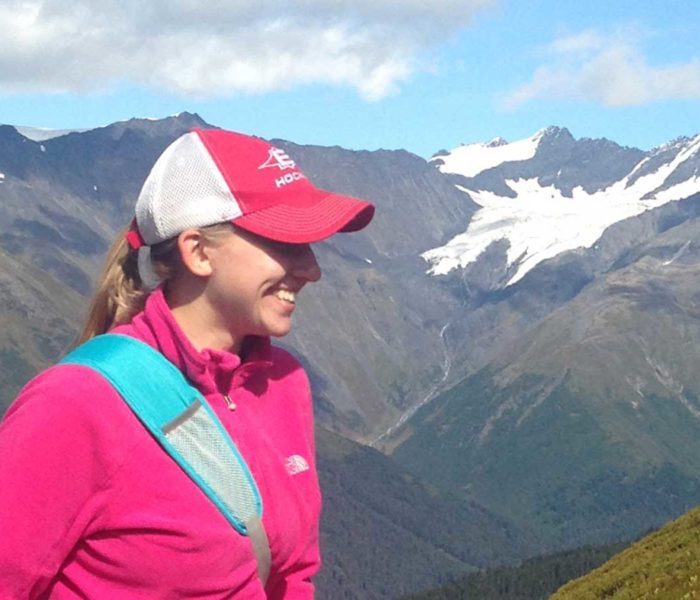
x: 186, y: 427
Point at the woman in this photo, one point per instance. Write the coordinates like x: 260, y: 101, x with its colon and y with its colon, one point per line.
x: 91, y: 506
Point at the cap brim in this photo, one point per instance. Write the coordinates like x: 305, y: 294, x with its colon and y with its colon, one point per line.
x: 313, y: 221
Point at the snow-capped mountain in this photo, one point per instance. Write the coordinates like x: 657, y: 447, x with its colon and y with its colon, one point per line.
x: 586, y: 366
x: 540, y: 196
x: 469, y: 160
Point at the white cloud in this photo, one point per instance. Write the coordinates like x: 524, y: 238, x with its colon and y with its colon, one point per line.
x: 221, y: 47
x: 579, y: 43
x: 612, y: 70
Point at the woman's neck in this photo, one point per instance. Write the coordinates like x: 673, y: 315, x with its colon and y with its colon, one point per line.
x: 199, y: 323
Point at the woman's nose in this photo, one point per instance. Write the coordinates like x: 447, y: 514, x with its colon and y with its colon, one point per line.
x: 305, y: 264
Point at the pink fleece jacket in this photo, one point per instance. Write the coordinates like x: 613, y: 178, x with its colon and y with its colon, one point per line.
x: 92, y: 508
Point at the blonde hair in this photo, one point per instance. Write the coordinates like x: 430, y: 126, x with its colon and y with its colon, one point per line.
x: 120, y: 293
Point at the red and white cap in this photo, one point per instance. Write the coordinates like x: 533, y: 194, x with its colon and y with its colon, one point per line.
x: 210, y: 176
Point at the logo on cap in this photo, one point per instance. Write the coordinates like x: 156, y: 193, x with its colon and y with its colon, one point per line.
x: 278, y: 158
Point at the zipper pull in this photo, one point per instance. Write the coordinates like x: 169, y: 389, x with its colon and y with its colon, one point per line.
x: 230, y: 403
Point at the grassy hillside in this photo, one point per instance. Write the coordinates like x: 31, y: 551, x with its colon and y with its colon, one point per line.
x: 664, y: 565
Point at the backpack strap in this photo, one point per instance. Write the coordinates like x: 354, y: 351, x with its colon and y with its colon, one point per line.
x: 182, y: 422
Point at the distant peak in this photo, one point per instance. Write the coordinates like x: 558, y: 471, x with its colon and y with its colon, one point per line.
x: 189, y: 117
x: 495, y: 142
x: 678, y: 142
x: 553, y: 132
x: 186, y: 117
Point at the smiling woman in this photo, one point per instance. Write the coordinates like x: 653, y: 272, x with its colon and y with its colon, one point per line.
x: 251, y: 288
x: 116, y: 482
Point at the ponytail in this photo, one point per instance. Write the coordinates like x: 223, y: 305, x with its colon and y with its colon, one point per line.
x: 119, y: 294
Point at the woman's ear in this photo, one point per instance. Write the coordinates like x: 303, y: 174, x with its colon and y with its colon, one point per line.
x: 194, y: 253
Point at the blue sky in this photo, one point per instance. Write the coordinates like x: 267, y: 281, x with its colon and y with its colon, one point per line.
x: 365, y: 74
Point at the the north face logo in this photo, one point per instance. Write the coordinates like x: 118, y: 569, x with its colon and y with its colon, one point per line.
x: 278, y: 158
x: 296, y: 464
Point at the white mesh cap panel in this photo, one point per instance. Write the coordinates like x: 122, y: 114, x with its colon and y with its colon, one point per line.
x: 183, y: 190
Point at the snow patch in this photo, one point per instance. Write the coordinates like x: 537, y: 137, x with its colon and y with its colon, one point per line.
x: 471, y: 159
x: 540, y: 223
x: 40, y: 134
x: 677, y: 255
x: 2, y: 177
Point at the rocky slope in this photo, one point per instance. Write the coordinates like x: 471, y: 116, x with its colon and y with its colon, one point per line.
x: 37, y: 322
x: 588, y: 427
x: 64, y: 198
x: 370, y: 330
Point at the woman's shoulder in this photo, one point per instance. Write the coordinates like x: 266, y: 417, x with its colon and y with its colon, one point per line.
x: 283, y: 357
x: 63, y: 388
x: 67, y: 402
x: 286, y: 365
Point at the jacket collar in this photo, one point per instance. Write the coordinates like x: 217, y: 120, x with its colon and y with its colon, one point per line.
x: 210, y: 370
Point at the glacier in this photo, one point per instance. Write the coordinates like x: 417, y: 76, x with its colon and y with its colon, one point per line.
x: 540, y: 222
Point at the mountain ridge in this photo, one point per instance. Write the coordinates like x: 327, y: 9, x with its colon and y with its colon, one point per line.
x: 520, y: 390
x: 552, y: 193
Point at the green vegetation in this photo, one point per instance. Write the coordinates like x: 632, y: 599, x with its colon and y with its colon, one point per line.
x: 535, y: 579
x: 384, y: 533
x: 557, y: 459
x: 664, y: 565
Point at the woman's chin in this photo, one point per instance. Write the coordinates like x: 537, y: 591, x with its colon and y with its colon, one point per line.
x: 279, y: 327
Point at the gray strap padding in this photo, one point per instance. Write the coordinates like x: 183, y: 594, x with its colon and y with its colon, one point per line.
x: 261, y: 547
